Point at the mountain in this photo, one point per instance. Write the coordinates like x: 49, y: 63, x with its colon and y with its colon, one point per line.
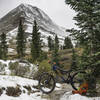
x: 29, y: 13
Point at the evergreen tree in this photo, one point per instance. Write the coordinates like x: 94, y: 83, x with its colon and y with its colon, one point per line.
x: 36, y: 42
x: 50, y: 43
x: 3, y: 47
x: 21, y: 40
x: 77, y: 44
x: 74, y: 65
x: 56, y: 43
x: 67, y: 43
x: 89, y: 35
x: 0, y: 52
x: 55, y: 54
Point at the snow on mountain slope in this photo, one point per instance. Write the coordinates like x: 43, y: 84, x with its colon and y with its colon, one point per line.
x: 9, y: 22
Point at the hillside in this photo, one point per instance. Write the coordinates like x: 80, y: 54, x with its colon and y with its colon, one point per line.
x: 66, y: 57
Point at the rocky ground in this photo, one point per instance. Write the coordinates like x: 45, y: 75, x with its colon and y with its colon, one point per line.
x: 59, y: 92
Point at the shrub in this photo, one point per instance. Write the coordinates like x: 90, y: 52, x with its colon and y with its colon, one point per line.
x: 13, y: 66
x: 15, y: 92
x: 28, y: 88
x: 42, y: 57
x: 19, y: 69
x: 1, y: 91
x: 2, y: 67
x: 44, y: 67
x: 22, y: 70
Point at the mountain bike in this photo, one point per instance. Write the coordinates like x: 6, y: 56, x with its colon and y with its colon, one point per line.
x: 47, y: 81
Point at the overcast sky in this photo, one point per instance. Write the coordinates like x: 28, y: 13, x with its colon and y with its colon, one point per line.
x: 57, y: 10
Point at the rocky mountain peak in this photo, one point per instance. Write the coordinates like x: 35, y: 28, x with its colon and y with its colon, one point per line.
x: 9, y: 23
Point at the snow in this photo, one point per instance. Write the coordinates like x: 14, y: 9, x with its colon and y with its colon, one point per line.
x: 13, y: 32
x: 29, y: 28
x: 70, y: 96
x: 44, y: 34
x: 13, y: 81
x: 6, y: 68
x: 46, y: 25
x: 7, y: 71
x: 58, y: 86
x: 22, y: 97
x: 6, y: 81
x: 10, y: 50
x: 43, y: 20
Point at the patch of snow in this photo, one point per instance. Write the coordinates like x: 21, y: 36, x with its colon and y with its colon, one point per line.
x: 58, y: 86
x: 29, y: 28
x: 7, y: 71
x: 10, y: 50
x: 69, y: 96
x: 22, y: 97
x: 13, y: 81
x: 13, y: 32
x: 6, y: 81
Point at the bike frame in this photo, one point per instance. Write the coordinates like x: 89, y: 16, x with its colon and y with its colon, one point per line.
x: 59, y: 72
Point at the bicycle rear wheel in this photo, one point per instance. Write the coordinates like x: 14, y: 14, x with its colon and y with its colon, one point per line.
x: 46, y: 83
x: 77, y: 80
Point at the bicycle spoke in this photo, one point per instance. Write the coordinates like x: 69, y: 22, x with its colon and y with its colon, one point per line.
x: 47, y: 83
x: 77, y: 80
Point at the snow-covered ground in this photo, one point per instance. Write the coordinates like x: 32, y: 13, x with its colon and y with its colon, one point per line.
x: 4, y: 66
x: 22, y: 97
x: 69, y: 96
x: 6, y: 81
x: 35, y: 94
x: 13, y: 81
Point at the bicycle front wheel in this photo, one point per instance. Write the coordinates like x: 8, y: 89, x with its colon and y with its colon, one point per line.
x: 77, y: 80
x: 46, y: 83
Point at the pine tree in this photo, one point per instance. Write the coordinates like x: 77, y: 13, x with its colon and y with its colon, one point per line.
x: 55, y: 54
x: 77, y: 44
x: 36, y: 42
x: 74, y: 65
x: 21, y: 40
x: 50, y: 43
x: 88, y: 21
x: 0, y: 52
x: 56, y: 43
x: 3, y: 47
x: 67, y: 43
